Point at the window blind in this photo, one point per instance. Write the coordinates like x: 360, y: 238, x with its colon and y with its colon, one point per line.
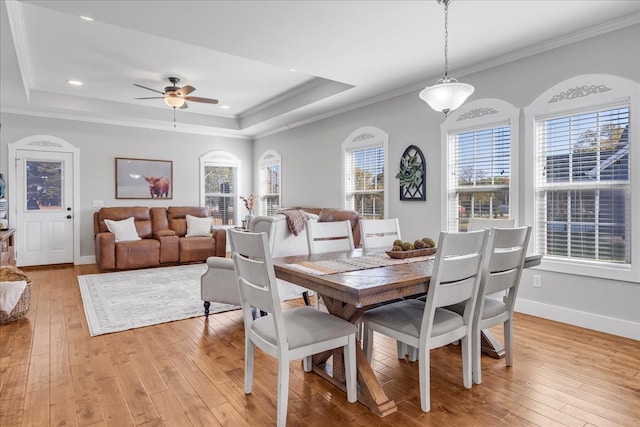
x: 582, y: 186
x: 220, y: 193
x: 269, y: 186
x: 364, y: 181
x: 479, y: 171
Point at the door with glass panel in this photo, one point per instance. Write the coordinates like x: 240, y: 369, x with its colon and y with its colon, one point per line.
x: 44, y: 208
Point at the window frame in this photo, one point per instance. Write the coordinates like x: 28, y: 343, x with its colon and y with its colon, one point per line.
x: 589, y: 92
x: 269, y: 158
x: 361, y: 139
x: 477, y: 115
x: 221, y: 159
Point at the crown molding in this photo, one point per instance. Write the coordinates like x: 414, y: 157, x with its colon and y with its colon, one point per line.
x: 21, y: 44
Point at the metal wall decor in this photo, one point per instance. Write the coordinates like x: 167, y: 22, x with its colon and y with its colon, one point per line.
x: 413, y: 175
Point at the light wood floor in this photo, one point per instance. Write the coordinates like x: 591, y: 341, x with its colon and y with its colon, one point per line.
x: 190, y: 372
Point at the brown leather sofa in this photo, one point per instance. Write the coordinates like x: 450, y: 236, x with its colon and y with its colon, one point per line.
x: 163, y: 239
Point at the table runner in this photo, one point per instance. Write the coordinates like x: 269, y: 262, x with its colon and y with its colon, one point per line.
x: 343, y: 265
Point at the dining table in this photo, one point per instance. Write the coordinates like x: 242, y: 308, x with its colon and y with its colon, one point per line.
x: 349, y: 283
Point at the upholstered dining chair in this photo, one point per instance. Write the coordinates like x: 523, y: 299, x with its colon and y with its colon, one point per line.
x: 379, y: 233
x: 427, y: 325
x: 501, y: 271
x: 287, y: 335
x: 480, y: 223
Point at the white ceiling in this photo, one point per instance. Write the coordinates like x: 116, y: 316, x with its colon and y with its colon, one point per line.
x: 345, y: 53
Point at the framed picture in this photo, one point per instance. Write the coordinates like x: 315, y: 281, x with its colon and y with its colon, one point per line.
x: 144, y: 179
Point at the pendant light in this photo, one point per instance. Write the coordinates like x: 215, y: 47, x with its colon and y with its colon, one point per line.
x: 446, y: 94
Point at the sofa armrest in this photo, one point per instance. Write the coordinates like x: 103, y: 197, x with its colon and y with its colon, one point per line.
x: 220, y: 234
x: 105, y: 248
x: 218, y: 283
x: 164, y: 233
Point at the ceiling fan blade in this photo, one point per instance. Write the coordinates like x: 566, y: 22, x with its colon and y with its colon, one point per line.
x: 186, y: 90
x: 152, y: 97
x: 148, y: 88
x: 198, y: 99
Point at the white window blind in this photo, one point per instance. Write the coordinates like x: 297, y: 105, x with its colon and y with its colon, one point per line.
x: 269, y: 183
x: 220, y: 192
x: 582, y: 186
x: 364, y: 181
x: 479, y: 175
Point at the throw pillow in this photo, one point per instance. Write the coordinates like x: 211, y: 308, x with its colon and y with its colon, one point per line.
x: 124, y: 230
x: 198, y: 227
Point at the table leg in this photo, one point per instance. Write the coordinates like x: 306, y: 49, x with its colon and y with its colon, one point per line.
x: 370, y: 392
x: 490, y: 345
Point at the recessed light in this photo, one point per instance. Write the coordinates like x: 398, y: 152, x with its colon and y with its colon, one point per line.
x: 224, y: 107
x: 86, y: 18
x: 293, y: 70
x: 74, y: 82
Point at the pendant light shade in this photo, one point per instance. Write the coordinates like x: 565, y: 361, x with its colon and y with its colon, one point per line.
x: 447, y: 94
x: 174, y: 101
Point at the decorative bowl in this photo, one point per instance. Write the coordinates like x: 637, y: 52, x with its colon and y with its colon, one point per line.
x: 411, y: 253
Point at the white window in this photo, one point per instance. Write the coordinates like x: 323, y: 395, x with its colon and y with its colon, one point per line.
x: 478, y: 163
x: 581, y: 159
x: 270, y: 166
x: 582, y: 185
x: 219, y: 186
x: 364, y: 170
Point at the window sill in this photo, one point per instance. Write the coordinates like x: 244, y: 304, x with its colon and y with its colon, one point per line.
x: 623, y: 273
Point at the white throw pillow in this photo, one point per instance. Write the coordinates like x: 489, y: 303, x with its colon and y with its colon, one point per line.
x: 198, y: 227
x: 124, y: 230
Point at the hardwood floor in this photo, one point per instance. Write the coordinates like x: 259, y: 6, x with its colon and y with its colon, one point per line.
x: 191, y: 372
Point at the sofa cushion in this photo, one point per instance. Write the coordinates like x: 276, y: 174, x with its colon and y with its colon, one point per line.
x: 124, y: 230
x: 198, y: 227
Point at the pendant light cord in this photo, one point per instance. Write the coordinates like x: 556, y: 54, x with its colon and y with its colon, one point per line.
x: 446, y: 39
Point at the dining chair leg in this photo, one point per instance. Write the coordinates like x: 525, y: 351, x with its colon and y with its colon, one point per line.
x: 249, y: 351
x: 508, y: 341
x: 424, y: 380
x: 350, y: 369
x: 465, y: 346
x: 476, y: 349
x: 283, y: 392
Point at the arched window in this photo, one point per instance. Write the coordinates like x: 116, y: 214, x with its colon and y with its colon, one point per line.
x: 580, y: 156
x: 364, y: 168
x: 219, y: 186
x: 481, y: 152
x: 269, y: 175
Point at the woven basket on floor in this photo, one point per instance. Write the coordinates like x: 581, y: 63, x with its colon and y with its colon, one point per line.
x: 9, y: 273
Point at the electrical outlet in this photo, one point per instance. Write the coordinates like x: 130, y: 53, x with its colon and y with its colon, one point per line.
x: 537, y: 281
x: 98, y: 203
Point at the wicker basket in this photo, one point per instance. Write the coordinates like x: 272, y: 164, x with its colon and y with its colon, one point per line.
x: 10, y: 273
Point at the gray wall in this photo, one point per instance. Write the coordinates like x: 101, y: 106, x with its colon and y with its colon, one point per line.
x: 311, y: 167
x: 99, y: 146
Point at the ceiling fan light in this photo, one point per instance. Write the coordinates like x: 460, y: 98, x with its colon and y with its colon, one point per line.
x: 174, y: 101
x: 446, y: 96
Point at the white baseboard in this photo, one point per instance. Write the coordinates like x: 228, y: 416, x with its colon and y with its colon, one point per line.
x: 609, y: 325
x: 87, y: 259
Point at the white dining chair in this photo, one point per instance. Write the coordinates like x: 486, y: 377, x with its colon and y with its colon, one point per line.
x: 427, y: 325
x: 379, y: 233
x: 501, y: 271
x: 286, y: 335
x: 480, y: 223
x: 329, y: 236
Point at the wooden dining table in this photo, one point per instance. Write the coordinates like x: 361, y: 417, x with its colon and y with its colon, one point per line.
x: 348, y: 295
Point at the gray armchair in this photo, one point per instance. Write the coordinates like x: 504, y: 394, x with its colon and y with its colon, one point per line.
x: 219, y: 283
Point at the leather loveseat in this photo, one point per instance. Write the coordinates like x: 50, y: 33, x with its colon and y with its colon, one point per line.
x: 162, y: 236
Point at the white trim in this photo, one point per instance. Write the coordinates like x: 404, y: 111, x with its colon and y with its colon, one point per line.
x: 19, y: 32
x: 52, y: 144
x: 361, y: 138
x: 607, y: 90
x: 583, y: 319
x: 482, y: 114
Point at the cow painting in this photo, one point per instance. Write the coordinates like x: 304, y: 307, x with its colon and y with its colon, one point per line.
x: 158, y: 187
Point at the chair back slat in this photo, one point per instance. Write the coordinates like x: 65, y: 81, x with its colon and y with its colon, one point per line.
x: 329, y: 236
x: 458, y: 267
x: 455, y: 292
x: 480, y: 223
x: 379, y: 233
x: 501, y: 281
x: 506, y: 259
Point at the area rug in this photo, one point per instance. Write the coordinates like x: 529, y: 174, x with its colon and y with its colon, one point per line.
x: 132, y: 299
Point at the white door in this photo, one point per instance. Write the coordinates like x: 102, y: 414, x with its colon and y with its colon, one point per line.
x: 44, y: 207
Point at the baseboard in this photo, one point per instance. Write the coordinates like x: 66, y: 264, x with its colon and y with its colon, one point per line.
x: 88, y: 259
x: 609, y: 325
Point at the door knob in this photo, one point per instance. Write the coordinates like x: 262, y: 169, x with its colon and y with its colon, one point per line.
x: 68, y: 216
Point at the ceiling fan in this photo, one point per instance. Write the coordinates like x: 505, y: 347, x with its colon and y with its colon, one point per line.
x: 175, y: 96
